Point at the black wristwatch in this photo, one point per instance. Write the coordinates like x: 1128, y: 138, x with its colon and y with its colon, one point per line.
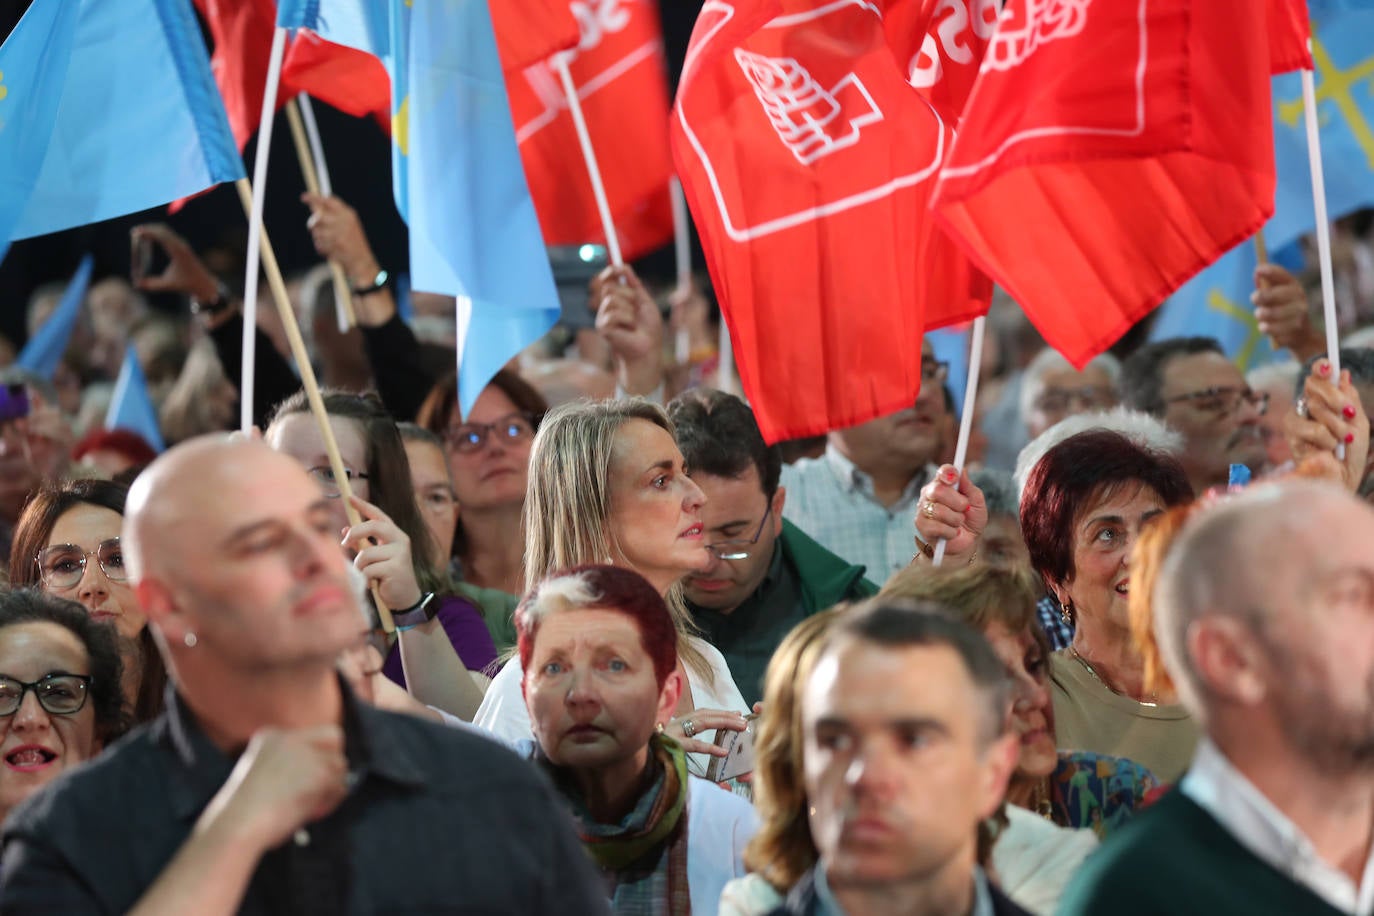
x: 215, y: 306
x: 421, y: 612
x: 379, y: 283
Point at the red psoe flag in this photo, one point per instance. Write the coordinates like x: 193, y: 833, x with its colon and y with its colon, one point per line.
x: 941, y: 45
x: 1111, y: 150
x: 352, y: 81
x: 1289, y: 32
x: 622, y: 84
x: 531, y: 31
x: 808, y: 162
x: 242, y: 35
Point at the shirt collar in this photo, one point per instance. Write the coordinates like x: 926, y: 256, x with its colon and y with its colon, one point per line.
x: 854, y: 480
x: 1253, y: 821
x: 371, y: 744
x: 827, y: 905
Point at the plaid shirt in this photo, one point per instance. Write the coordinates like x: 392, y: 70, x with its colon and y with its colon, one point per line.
x: 1052, y: 622
x: 830, y: 499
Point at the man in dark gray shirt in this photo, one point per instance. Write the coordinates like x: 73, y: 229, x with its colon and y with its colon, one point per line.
x: 266, y: 787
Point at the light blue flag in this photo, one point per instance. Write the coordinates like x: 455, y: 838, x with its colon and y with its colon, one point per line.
x: 1216, y: 303
x: 951, y: 345
x: 106, y: 109
x: 1343, y: 57
x: 131, y: 407
x: 46, y: 347
x: 456, y: 170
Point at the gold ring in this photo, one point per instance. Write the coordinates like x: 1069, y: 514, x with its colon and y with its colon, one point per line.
x: 929, y: 510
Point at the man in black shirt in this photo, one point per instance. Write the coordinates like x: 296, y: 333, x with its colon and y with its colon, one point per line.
x: 266, y: 787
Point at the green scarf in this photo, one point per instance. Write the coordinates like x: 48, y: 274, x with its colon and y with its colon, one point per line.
x: 654, y: 819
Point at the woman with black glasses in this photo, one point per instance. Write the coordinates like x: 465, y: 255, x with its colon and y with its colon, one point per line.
x: 60, y: 698
x: 441, y: 640
x: 67, y: 544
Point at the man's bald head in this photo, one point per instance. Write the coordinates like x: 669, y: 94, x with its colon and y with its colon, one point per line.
x: 180, y: 495
x: 1245, y: 558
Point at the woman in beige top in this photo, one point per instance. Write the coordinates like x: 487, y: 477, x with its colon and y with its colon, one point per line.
x: 1082, y: 508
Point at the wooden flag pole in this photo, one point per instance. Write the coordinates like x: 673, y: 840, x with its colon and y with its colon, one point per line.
x: 975, y: 366
x: 1261, y: 249
x: 343, y: 293
x: 603, y: 207
x: 311, y: 384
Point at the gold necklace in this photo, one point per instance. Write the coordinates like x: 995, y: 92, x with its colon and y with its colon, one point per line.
x: 1097, y: 677
x: 1040, y: 800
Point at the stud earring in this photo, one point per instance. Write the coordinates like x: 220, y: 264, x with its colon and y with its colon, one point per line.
x: 190, y: 640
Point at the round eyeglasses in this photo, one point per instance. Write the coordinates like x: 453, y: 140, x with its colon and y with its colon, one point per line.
x: 58, y: 694
x: 64, y: 565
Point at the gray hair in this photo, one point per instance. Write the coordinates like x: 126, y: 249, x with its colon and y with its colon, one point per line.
x: 1047, y: 361
x: 1141, y: 428
x: 999, y: 491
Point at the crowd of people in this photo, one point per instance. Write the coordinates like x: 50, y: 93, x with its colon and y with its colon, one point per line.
x: 644, y: 662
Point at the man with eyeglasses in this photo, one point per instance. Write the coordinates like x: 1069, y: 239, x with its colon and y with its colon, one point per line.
x: 765, y: 575
x: 1052, y: 389
x: 1190, y: 384
x: 859, y: 499
x: 266, y: 786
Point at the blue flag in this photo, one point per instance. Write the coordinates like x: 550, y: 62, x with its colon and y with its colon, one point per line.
x: 131, y: 407
x: 46, y: 347
x: 1343, y: 57
x: 950, y: 345
x: 1216, y: 303
x: 106, y: 109
x: 456, y: 171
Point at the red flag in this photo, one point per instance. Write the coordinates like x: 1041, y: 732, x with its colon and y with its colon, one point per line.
x: 532, y: 31
x: 1288, y: 35
x: 940, y: 44
x: 808, y: 161
x: 622, y: 85
x: 242, y: 34
x: 352, y: 81
x: 1110, y: 151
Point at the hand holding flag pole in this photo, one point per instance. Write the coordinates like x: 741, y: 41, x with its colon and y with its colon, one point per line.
x: 311, y: 156
x: 975, y: 364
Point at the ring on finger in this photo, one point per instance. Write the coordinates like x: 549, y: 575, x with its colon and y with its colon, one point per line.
x: 1300, y: 407
x: 929, y: 509
x: 688, y: 728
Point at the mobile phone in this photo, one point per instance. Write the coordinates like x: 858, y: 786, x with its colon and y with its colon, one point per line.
x: 739, y: 752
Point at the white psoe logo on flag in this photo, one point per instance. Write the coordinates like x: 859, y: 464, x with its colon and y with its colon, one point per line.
x: 1019, y: 33
x: 811, y: 121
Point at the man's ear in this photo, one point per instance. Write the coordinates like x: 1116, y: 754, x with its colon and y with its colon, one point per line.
x: 1228, y: 659
x: 155, y: 599
x: 779, y: 500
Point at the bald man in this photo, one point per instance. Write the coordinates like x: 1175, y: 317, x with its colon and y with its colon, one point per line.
x: 266, y: 787
x: 1276, y: 814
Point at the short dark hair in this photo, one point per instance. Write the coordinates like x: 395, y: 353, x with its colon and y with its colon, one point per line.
x: 30, y: 605
x: 718, y: 435
x: 1359, y: 361
x: 1061, y: 483
x: 901, y: 624
x: 1142, y: 374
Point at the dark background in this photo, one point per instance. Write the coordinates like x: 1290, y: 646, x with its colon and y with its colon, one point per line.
x: 359, y: 157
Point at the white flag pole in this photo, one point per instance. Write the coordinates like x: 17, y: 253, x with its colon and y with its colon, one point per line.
x: 560, y: 63
x: 1314, y: 161
x: 975, y: 366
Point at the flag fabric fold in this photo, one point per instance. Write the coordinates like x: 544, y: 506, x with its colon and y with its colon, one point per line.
x: 131, y: 407
x: 808, y: 161
x: 108, y: 109
x: 44, y: 351
x: 622, y: 85
x: 1109, y: 151
x: 455, y: 168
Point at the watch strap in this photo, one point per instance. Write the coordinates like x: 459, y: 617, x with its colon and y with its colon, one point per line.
x: 422, y: 611
x: 379, y: 283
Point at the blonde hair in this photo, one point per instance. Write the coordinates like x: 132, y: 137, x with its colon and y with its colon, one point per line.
x: 783, y: 849
x: 568, y: 500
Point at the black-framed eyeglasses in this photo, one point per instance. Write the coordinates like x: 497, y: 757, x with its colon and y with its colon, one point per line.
x: 324, y: 476
x: 739, y: 549
x: 934, y: 370
x: 63, y: 565
x: 58, y: 694
x: 1057, y: 400
x: 510, y: 429
x: 1224, y: 401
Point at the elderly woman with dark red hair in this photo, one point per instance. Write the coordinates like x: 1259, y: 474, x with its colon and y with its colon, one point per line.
x: 599, y: 650
x: 1082, y: 508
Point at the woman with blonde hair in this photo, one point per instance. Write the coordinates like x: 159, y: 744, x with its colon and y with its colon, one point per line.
x: 607, y: 485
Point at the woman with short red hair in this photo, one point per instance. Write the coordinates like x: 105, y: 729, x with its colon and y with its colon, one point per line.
x: 599, y: 650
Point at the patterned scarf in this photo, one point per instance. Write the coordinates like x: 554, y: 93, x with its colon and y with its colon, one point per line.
x: 644, y: 857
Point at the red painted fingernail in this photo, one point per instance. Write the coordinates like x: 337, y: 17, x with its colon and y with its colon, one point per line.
x: 949, y: 476
x: 1348, y: 411
x: 1349, y: 438
x: 1324, y: 369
